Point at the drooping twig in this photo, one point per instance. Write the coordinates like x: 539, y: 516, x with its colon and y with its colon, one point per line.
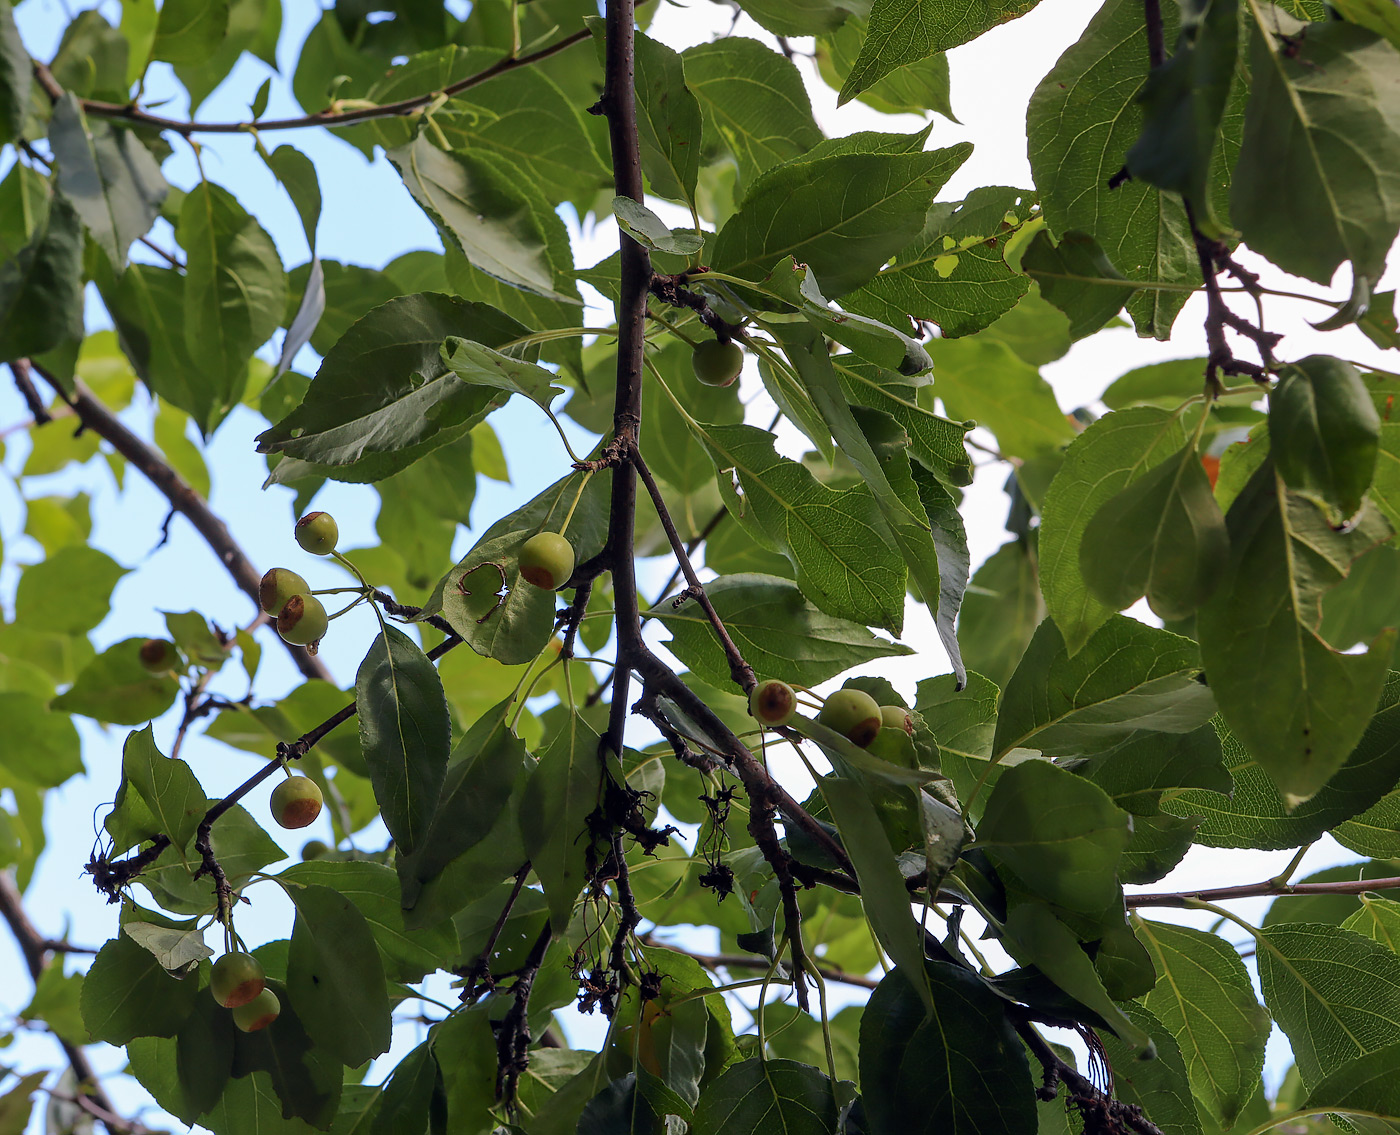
x: 24, y: 383
x: 130, y: 112
x: 477, y: 977
x: 513, y: 1034
x: 1101, y: 1113
x: 739, y: 670
x: 183, y: 498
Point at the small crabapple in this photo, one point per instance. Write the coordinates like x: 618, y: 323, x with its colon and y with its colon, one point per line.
x: 258, y: 1013
x: 302, y: 620
x: 773, y: 703
x: 854, y: 714
x: 296, y: 802
x: 277, y: 586
x: 547, y: 560
x: 317, y: 533
x: 237, y: 978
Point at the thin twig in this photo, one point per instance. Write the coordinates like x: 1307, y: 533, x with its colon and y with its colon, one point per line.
x: 739, y: 670
x: 130, y: 112
x: 1268, y: 888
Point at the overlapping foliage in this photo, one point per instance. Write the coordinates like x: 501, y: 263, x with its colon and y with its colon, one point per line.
x: 1251, y: 499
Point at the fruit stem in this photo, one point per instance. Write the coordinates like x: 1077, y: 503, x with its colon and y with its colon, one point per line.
x: 577, y: 497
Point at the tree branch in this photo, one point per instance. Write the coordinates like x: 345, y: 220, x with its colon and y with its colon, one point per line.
x: 1266, y: 889
x: 34, y: 946
x: 95, y: 415
x: 130, y: 112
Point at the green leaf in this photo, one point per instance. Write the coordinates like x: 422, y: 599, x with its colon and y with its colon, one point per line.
x: 297, y: 174
x: 1158, y: 1086
x: 374, y: 889
x: 914, y: 88
x: 116, y: 688
x: 758, y: 1096
x: 204, y: 1055
x: 1162, y: 536
x: 246, y: 19
x: 480, y: 779
x: 668, y: 125
x: 905, y: 31
x: 411, y: 1092
x: 1324, y: 433
x: 68, y: 593
x: 650, y: 231
x: 404, y: 732
x: 481, y: 366
x: 167, y: 786
x: 954, y: 273
x: 17, y: 1103
x: 1204, y: 999
x: 56, y: 1002
x: 1256, y: 815
x: 1166, y: 385
x: 41, y: 287
x: 1128, y: 677
x: 1366, y: 1085
x: 480, y: 212
x: 831, y: 536
x: 1298, y: 706
x: 128, y: 994
x: 190, y: 30
x: 842, y: 214
x: 175, y: 950
x: 1320, y: 120
x: 1114, y: 451
x: 1138, y: 771
x: 92, y: 59
x: 334, y: 976
x: 984, y: 380
x: 1184, y: 101
x: 884, y: 896
x: 955, y: 1069
x: 1334, y: 993
x: 42, y: 747
x: 776, y: 629
x: 1059, y: 833
x: 516, y: 629
x: 383, y: 395
x: 1378, y: 918
x: 16, y: 74
x: 1076, y: 276
x: 1035, y: 936
x: 1082, y: 119
x: 753, y: 99
x: 876, y: 446
x: 111, y: 178
x: 562, y: 792
x: 235, y: 292
x: 1000, y: 611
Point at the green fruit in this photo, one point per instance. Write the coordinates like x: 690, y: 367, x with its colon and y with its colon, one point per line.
x: 852, y: 713
x: 314, y: 849
x: 317, y: 533
x: 302, y: 620
x: 716, y: 363
x: 159, y: 656
x: 258, y: 1013
x: 296, y: 802
x: 236, y: 980
x: 547, y: 560
x: 773, y: 702
x: 277, y: 586
x: 896, y: 717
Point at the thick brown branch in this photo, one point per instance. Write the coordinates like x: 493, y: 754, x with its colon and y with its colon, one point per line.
x: 130, y: 112
x: 34, y: 946
x: 95, y: 415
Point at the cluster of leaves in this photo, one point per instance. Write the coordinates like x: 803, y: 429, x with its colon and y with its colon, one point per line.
x: 1072, y: 751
